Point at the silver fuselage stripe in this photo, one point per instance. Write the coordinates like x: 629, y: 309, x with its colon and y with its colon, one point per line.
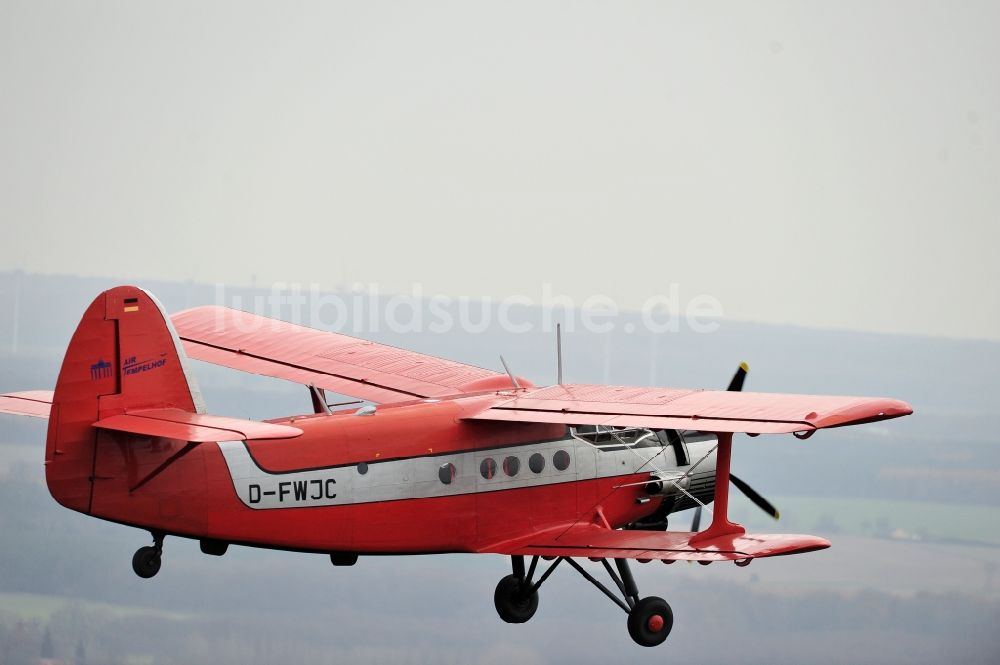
x: 420, y: 477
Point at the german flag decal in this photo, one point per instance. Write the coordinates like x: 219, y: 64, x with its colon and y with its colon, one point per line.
x: 131, y: 304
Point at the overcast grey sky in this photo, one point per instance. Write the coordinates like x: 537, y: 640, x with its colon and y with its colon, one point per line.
x: 824, y: 164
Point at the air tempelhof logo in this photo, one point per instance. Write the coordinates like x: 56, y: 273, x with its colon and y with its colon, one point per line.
x: 134, y: 366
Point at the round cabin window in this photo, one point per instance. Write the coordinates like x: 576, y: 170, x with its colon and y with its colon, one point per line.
x: 446, y: 472
x: 536, y: 463
x: 488, y: 468
x: 561, y: 460
x: 511, y: 465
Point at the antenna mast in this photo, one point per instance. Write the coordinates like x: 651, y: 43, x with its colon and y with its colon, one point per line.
x: 559, y: 377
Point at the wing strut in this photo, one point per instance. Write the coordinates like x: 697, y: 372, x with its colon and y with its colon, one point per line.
x: 318, y: 396
x: 721, y: 526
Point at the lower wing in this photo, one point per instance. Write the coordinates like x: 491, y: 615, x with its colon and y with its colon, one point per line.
x: 598, y: 542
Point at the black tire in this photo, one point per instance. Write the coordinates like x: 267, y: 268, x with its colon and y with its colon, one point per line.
x: 512, y: 604
x: 146, y: 562
x: 650, y: 621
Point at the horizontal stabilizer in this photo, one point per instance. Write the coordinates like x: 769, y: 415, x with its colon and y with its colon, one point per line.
x: 195, y: 427
x: 35, y: 403
x: 590, y: 540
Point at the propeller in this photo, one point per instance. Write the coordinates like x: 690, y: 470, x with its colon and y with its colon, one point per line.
x: 755, y: 497
x: 736, y: 384
x: 750, y: 493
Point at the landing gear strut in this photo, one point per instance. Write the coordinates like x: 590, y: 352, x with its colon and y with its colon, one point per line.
x: 650, y: 619
x: 146, y: 560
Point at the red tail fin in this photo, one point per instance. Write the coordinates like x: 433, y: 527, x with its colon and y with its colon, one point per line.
x: 123, y: 355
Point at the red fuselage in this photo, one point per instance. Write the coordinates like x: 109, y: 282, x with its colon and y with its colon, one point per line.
x: 409, y: 478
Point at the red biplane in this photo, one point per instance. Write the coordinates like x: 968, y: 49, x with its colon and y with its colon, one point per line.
x: 446, y: 458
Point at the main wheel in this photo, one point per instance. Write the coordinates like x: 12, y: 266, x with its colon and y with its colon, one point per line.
x: 650, y: 621
x: 513, y: 605
x: 146, y: 562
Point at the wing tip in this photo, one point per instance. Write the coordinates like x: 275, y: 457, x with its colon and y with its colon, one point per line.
x: 31, y: 403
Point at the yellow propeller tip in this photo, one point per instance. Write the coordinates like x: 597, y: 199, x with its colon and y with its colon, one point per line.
x: 744, y: 367
x: 777, y: 515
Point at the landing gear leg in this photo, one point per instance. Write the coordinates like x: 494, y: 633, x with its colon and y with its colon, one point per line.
x: 649, y: 619
x: 146, y: 560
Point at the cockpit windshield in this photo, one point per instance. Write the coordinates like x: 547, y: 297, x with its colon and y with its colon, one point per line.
x: 621, y: 438
x: 616, y: 438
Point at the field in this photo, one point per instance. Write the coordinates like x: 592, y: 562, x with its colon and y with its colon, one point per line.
x: 925, y: 521
x: 30, y: 606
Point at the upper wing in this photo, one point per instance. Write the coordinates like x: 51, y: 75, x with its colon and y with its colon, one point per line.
x: 585, y: 539
x: 342, y: 364
x: 714, y: 411
x: 28, y: 403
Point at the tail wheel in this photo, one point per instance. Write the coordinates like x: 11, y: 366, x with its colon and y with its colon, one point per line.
x: 512, y: 603
x: 146, y: 562
x: 650, y: 621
